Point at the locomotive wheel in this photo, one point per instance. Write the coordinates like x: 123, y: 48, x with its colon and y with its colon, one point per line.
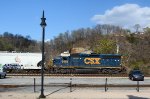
x: 9, y: 70
x: 63, y: 71
x: 105, y: 71
x: 115, y: 71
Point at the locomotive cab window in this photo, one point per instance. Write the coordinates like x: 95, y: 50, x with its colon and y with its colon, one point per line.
x: 64, y: 59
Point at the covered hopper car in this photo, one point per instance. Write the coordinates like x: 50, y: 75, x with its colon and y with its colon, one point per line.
x: 20, y: 62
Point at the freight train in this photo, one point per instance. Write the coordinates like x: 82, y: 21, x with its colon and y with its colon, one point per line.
x: 78, y: 62
x: 64, y: 63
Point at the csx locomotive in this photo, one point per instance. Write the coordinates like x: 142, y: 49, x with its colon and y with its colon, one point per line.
x: 101, y: 63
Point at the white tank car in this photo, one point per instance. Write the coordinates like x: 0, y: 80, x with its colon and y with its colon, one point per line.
x: 25, y: 60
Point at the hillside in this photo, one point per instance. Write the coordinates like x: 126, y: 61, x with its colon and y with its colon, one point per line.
x: 101, y: 39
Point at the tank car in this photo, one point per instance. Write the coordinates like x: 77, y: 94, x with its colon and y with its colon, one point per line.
x: 101, y: 63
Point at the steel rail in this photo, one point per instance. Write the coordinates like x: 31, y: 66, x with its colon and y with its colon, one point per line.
x: 74, y: 75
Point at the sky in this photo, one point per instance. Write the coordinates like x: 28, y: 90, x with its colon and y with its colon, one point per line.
x: 23, y: 17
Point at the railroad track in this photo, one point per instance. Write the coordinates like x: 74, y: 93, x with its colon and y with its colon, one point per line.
x: 73, y: 75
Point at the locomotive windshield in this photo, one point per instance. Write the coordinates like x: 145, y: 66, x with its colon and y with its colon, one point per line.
x: 64, y: 59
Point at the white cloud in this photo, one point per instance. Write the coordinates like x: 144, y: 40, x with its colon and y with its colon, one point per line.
x: 126, y: 15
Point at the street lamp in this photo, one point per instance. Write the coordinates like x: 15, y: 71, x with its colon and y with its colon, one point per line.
x: 43, y: 25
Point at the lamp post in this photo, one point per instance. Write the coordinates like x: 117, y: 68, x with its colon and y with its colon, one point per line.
x: 43, y: 25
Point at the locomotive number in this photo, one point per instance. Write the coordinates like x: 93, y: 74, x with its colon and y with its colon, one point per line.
x: 92, y: 60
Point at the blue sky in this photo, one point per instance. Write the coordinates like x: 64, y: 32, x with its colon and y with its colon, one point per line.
x: 23, y: 16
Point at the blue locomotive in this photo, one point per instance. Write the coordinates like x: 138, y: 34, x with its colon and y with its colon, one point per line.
x: 101, y: 63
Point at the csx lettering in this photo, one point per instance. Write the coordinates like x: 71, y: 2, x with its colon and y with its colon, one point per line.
x: 92, y: 60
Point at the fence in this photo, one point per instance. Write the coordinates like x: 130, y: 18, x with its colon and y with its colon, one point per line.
x: 105, y: 83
